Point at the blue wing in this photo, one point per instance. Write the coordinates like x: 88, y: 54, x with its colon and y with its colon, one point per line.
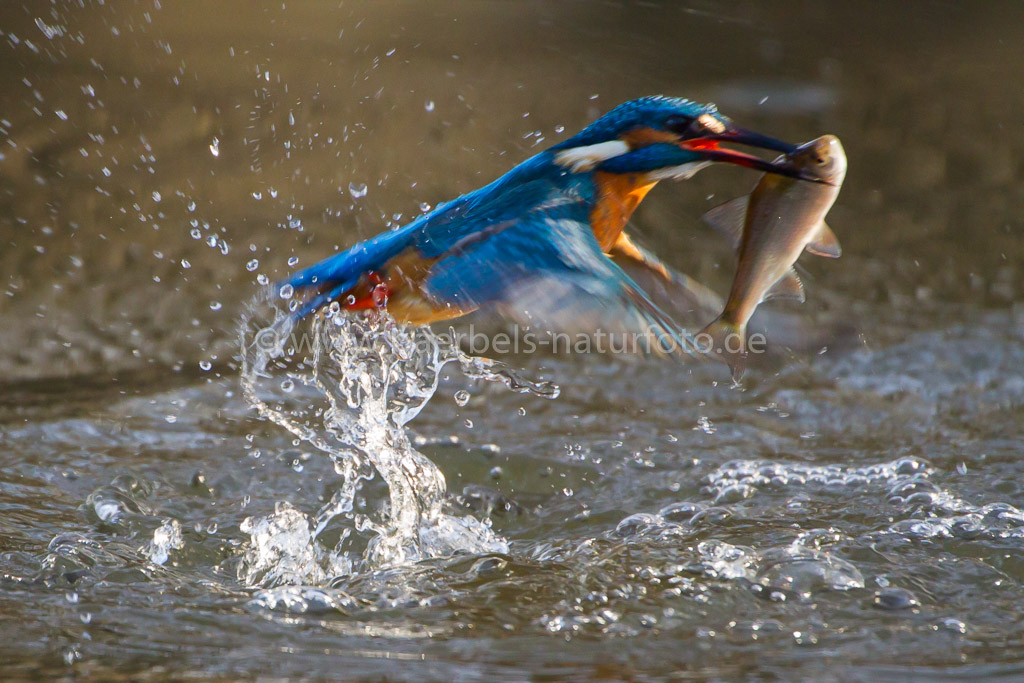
x: 545, y: 267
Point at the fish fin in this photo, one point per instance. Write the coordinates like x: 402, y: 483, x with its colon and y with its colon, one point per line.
x: 824, y: 243
x: 728, y: 219
x: 726, y: 342
x: 786, y: 287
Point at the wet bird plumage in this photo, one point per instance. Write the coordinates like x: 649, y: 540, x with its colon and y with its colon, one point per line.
x: 534, y: 243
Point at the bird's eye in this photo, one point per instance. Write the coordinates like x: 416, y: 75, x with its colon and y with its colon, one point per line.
x: 678, y: 124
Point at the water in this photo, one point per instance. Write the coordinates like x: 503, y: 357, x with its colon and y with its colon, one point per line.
x: 180, y: 496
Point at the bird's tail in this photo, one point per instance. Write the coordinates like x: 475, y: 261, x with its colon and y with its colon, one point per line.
x: 726, y: 341
x: 335, y: 275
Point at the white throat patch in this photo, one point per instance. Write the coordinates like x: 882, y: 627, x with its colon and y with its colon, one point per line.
x: 580, y: 159
x: 680, y: 172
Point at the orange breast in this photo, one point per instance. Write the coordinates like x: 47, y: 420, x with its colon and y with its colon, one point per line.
x: 618, y: 195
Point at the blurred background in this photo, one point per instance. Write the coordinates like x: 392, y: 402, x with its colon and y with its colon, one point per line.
x: 156, y: 160
x: 849, y: 514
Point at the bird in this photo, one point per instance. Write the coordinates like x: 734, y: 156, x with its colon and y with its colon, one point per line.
x: 537, y: 244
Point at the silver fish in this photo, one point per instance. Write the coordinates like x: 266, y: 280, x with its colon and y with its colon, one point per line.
x: 771, y: 227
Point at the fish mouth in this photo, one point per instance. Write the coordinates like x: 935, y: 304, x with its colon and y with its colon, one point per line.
x: 709, y: 148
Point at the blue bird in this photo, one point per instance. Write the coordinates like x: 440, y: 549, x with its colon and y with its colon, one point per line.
x: 536, y: 243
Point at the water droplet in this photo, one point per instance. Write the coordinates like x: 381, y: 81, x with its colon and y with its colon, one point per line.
x: 157, y: 196
x: 171, y: 419
x: 461, y: 397
x: 257, y: 195
x: 293, y: 260
x: 286, y: 292
x: 185, y: 264
x: 215, y: 305
x: 205, y: 365
x: 469, y: 424
x: 252, y: 265
x: 424, y: 206
x: 287, y: 386
x: 291, y: 119
x: 357, y: 190
x: 262, y: 279
x: 191, y: 206
x: 559, y: 129
x: 429, y: 106
x: 496, y: 473
x: 196, y: 233
x: 71, y: 597
x: 212, y: 240
x: 215, y: 147
x: 61, y: 115
x: 522, y: 411
x: 106, y: 171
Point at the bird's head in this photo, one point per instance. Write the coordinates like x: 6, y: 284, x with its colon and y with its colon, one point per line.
x: 665, y: 137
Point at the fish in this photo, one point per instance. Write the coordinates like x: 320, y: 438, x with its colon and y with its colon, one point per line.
x: 771, y: 227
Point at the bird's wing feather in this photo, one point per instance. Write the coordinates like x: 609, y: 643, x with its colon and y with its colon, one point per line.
x: 545, y: 268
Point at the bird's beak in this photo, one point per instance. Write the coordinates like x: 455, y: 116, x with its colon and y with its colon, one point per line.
x: 708, y: 147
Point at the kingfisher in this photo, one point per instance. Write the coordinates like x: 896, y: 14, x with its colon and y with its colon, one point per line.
x: 537, y: 243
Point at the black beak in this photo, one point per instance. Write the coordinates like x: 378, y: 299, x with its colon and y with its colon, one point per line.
x: 707, y: 146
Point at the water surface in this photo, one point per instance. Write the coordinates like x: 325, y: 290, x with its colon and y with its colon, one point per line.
x: 855, y: 511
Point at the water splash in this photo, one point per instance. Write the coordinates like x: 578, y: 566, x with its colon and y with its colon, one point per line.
x: 354, y: 383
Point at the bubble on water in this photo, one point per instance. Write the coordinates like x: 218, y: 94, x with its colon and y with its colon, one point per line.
x: 72, y: 597
x: 252, y: 265
x: 171, y: 419
x: 461, y: 397
x: 196, y: 233
x: 522, y: 411
x: 286, y: 291
x: 425, y: 207
x: 185, y: 264
x: 804, y: 570
x: 293, y: 261
x: 215, y: 147
x: 157, y: 196
x: 357, y: 190
x: 215, y: 305
x: 287, y: 386
x: 205, y: 365
x: 106, y: 171
x: 894, y: 598
x: 469, y: 424
x: 191, y: 206
x: 429, y: 105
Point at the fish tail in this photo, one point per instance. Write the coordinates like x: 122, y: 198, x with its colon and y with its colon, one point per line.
x: 726, y: 341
